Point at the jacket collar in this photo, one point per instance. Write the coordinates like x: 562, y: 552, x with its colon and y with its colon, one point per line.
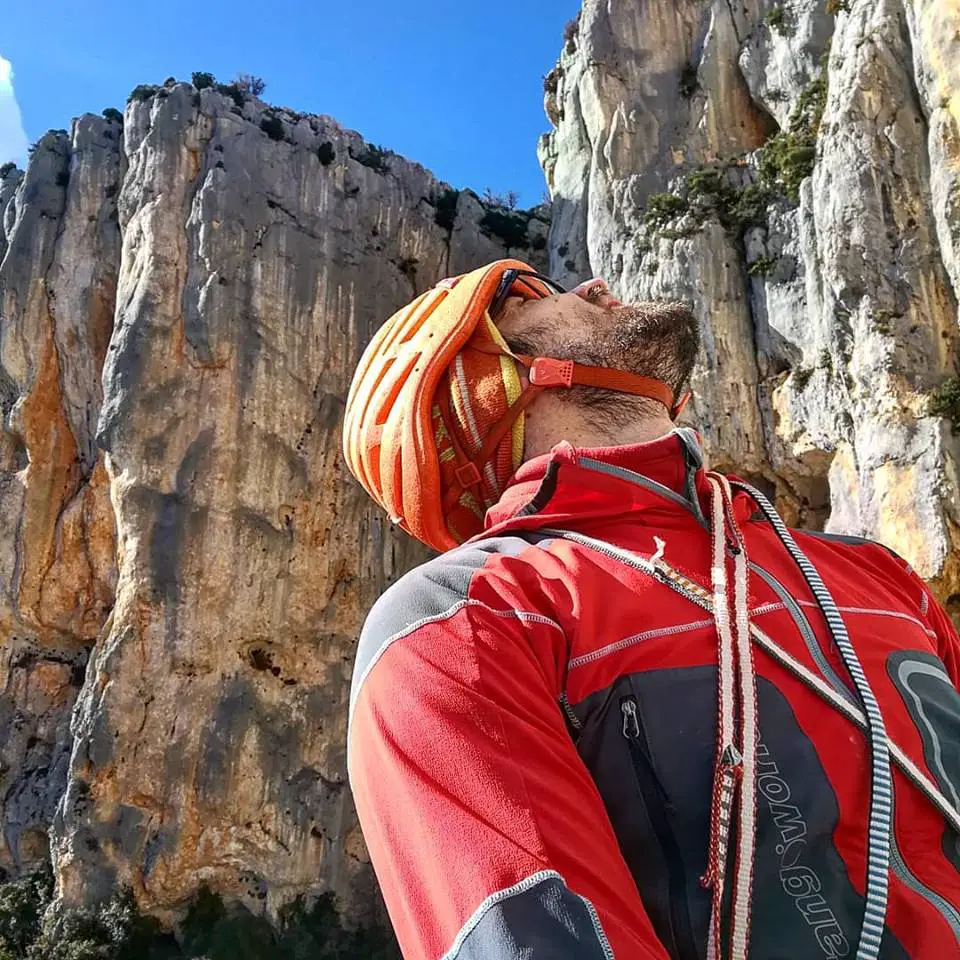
x: 585, y: 487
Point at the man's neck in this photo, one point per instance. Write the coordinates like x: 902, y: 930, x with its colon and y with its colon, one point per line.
x: 547, y: 424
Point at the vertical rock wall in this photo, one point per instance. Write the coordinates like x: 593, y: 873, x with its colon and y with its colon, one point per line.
x: 58, y: 569
x: 792, y: 169
x: 217, y: 266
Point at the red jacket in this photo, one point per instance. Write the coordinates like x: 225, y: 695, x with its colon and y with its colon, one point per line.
x: 533, y: 723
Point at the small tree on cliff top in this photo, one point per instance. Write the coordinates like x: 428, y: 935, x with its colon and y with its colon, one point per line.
x: 253, y: 85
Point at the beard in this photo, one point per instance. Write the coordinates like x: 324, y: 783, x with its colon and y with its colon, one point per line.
x: 658, y: 339
x: 647, y: 330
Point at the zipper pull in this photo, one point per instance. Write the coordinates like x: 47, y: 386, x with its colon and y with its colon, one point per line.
x: 631, y: 725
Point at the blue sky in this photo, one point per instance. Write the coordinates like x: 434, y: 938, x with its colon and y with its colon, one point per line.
x: 454, y: 85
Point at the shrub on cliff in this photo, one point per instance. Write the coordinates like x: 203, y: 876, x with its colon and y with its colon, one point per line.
x: 21, y: 912
x: 201, y: 80
x: 445, y: 202
x: 253, y: 85
x: 218, y: 932
x: 372, y: 156
x: 143, y: 92
x: 326, y: 154
x: 272, y: 126
x: 788, y: 158
x: 945, y: 402
x: 116, y: 930
x: 509, y: 225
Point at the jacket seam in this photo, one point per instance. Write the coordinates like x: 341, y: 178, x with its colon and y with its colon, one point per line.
x: 522, y: 615
x: 522, y: 886
x: 878, y: 612
x: 619, y: 645
x: 498, y: 896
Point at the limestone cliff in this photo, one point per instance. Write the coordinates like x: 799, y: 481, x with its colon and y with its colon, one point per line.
x: 184, y: 563
x: 793, y: 169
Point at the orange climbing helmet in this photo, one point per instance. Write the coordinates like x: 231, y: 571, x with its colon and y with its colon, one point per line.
x: 433, y: 427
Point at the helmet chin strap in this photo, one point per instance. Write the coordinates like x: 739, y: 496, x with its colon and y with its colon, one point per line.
x: 547, y: 373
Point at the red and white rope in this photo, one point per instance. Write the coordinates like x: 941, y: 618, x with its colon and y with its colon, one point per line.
x: 735, y: 776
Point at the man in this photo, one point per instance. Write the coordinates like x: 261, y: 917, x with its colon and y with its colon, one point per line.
x: 634, y: 716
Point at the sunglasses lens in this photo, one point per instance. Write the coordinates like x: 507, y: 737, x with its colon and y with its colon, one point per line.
x: 511, y: 276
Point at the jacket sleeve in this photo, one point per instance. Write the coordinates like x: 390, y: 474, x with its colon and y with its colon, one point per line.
x: 487, y: 834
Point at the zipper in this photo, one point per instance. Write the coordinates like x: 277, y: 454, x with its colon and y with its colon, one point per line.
x: 572, y: 718
x: 658, y: 806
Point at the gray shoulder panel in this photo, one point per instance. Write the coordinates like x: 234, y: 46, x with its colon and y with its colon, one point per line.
x: 433, y: 591
x: 538, y: 917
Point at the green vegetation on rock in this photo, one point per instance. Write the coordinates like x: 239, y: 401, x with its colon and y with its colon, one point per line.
x: 715, y: 191
x: 272, y: 126
x: 202, y: 80
x: 143, y: 92
x: 234, y: 91
x: 788, y: 158
x: 825, y: 361
x: 664, y: 207
x: 326, y: 154
x: 551, y: 81
x: 801, y: 377
x: 945, y: 402
x: 372, y: 156
x: 706, y: 192
x: 689, y: 81
x: 763, y: 266
x: 509, y: 225
x: 570, y: 34
x: 445, y: 203
x: 781, y: 20
x: 116, y: 930
x: 21, y: 910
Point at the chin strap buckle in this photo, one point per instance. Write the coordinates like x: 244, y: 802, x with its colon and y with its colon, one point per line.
x: 547, y: 372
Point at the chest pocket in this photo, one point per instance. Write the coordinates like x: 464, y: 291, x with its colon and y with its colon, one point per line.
x: 934, y: 706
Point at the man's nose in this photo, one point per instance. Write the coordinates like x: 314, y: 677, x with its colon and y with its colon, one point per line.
x: 596, y: 291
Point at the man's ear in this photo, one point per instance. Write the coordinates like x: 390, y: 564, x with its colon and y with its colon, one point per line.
x: 680, y: 405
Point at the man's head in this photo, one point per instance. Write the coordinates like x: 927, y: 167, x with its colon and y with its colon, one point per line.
x: 652, y: 339
x: 441, y: 413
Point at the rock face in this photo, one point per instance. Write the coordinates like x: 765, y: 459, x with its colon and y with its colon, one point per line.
x: 793, y: 169
x: 184, y: 563
x: 58, y: 568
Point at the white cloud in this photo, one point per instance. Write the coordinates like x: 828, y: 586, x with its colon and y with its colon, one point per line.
x: 13, y: 138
